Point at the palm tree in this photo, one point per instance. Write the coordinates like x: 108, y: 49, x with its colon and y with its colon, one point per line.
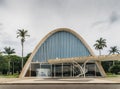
x: 22, y: 34
x: 9, y: 51
x: 114, y: 50
x: 100, y: 44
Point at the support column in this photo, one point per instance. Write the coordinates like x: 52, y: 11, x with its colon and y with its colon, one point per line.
x: 40, y: 69
x: 30, y: 70
x: 84, y: 69
x: 40, y: 65
x: 71, y: 70
x: 101, y: 70
x: 51, y: 70
x: 62, y: 70
x: 95, y: 69
x: 54, y: 71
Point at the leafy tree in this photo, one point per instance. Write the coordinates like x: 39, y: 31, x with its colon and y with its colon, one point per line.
x: 16, y: 63
x: 3, y: 65
x: 106, y: 65
x: 114, y: 50
x: 115, y: 69
x: 22, y: 34
x: 9, y: 51
x: 100, y: 44
x: 26, y: 58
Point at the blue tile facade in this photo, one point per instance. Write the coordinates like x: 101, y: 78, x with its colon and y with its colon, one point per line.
x: 61, y: 44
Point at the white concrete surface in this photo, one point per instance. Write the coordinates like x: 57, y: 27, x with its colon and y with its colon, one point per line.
x: 80, y: 80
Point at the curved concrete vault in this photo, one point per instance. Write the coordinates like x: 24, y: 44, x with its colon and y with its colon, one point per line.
x: 60, y: 43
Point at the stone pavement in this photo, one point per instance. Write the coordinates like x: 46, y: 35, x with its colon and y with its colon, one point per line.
x: 50, y: 83
x: 3, y: 80
x: 57, y: 80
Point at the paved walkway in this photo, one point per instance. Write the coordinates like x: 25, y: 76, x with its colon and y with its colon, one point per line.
x: 50, y: 80
x: 79, y: 83
x: 4, y: 80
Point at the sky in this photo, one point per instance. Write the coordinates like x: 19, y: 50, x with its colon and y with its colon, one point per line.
x: 91, y: 19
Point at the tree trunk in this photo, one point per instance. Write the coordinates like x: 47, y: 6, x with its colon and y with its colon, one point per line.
x: 9, y: 67
x: 9, y: 64
x: 113, y: 60
x: 22, y: 55
x: 99, y: 52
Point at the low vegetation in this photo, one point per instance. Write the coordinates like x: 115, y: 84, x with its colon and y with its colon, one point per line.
x: 15, y: 64
x: 15, y: 75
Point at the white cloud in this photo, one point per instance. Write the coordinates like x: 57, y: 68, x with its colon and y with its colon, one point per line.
x: 42, y: 16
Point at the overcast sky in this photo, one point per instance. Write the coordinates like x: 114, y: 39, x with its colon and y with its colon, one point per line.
x: 92, y: 19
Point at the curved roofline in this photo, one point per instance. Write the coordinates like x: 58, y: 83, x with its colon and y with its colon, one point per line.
x: 46, y: 37
x: 67, y: 30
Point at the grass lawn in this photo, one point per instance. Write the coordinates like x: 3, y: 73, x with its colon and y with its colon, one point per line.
x: 112, y: 75
x: 9, y: 76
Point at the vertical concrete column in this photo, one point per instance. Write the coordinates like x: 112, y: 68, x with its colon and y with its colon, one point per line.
x: 62, y: 70
x: 30, y: 70
x: 95, y: 69
x: 84, y: 69
x: 51, y: 70
x: 40, y: 68
x: 54, y: 71
x: 71, y: 70
x: 40, y: 65
x: 101, y: 70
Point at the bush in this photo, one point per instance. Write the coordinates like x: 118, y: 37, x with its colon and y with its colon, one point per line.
x: 106, y: 65
x: 115, y: 69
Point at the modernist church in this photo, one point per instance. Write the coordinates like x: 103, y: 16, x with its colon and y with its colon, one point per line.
x: 62, y: 53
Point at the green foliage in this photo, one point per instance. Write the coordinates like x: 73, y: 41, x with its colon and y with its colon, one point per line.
x: 26, y: 58
x: 106, y: 65
x: 100, y: 44
x: 113, y: 50
x: 15, y: 64
x: 9, y: 50
x: 22, y: 34
x: 115, y: 69
x: 16, y: 75
x: 3, y: 65
x: 110, y: 75
x: 117, y: 62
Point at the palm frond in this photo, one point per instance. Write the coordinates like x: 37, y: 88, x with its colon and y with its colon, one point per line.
x: 114, y: 50
x: 100, y: 44
x: 8, y: 50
